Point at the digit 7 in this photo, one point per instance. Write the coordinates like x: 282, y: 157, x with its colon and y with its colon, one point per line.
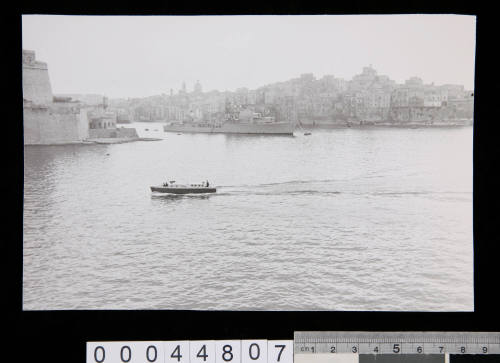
x: 282, y: 346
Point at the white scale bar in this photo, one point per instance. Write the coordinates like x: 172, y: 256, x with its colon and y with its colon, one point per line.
x: 397, y: 343
x: 194, y: 351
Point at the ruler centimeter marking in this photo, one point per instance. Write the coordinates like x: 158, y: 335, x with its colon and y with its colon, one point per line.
x: 191, y: 351
x: 397, y: 342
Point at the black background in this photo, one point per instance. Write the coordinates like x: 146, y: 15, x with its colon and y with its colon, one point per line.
x: 60, y: 336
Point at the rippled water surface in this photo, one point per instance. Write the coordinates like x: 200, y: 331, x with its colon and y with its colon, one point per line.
x: 345, y: 219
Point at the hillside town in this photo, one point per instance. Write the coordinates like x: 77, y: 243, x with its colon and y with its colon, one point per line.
x: 368, y: 99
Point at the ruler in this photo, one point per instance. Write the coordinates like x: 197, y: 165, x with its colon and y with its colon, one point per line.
x: 396, y: 342
x: 191, y: 351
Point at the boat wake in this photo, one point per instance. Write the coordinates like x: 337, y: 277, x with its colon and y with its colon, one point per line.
x: 318, y: 187
x: 289, y: 182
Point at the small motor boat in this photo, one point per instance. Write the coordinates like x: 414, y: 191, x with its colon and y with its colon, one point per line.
x: 173, y: 188
x: 307, y: 133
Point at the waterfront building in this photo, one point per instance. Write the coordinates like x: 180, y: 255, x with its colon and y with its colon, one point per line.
x: 453, y: 91
x: 414, y: 82
x: 123, y: 116
x: 400, y: 97
x: 102, y: 121
x: 252, y: 97
x: 241, y: 96
x: 462, y: 108
x: 270, y: 96
x: 415, y: 97
x: 369, y: 96
x: 434, y: 97
x: 340, y: 85
x: 306, y: 78
x: 106, y: 120
x: 363, y: 80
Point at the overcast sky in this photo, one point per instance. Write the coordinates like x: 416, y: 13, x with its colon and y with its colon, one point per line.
x: 125, y: 56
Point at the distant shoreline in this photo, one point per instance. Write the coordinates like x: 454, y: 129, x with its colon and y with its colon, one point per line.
x: 357, y: 124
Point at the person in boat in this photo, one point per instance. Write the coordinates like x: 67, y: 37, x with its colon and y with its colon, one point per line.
x: 165, y: 184
x: 207, y: 184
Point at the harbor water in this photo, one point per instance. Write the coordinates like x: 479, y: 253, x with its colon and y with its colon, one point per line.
x: 343, y: 219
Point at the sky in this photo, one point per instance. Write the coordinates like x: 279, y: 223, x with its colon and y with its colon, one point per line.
x: 139, y: 56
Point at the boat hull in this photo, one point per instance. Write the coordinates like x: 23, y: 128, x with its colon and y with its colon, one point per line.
x: 183, y: 190
x: 277, y: 128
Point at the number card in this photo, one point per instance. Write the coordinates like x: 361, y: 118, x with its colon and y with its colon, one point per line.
x: 195, y: 351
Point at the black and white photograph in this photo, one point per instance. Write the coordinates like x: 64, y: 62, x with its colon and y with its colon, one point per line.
x: 248, y: 162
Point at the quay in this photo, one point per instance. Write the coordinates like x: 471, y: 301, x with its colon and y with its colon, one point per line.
x: 120, y: 140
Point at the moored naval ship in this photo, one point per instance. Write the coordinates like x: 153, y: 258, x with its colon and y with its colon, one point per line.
x: 231, y: 124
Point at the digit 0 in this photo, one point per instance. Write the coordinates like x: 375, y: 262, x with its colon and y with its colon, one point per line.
x: 123, y: 354
x: 149, y: 354
x: 103, y: 354
x: 252, y: 356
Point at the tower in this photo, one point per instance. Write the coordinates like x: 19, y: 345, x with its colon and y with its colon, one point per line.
x: 36, y: 82
x: 197, y: 87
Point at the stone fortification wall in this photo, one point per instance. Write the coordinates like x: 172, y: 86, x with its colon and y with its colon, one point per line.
x: 112, y: 133
x: 43, y: 126
x: 83, y: 124
x: 46, y: 121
